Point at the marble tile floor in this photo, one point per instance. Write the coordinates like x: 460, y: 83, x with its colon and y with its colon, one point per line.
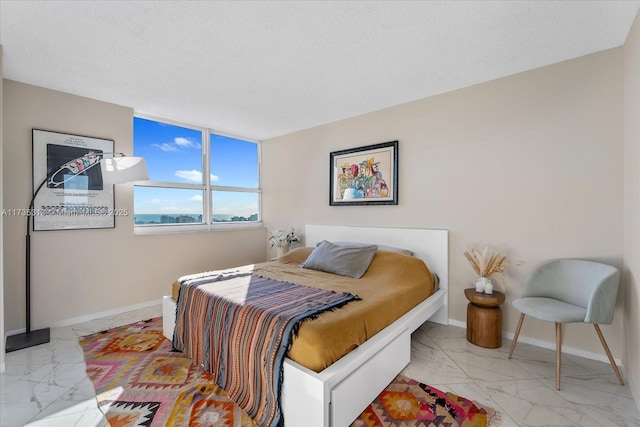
x: 522, y: 390
x: 47, y: 385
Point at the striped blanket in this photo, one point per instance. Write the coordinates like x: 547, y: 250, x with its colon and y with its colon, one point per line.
x: 239, y: 327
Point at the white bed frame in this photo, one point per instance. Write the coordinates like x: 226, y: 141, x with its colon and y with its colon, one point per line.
x: 336, y: 396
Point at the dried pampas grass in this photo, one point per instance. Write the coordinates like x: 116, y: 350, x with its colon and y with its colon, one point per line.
x: 490, y: 267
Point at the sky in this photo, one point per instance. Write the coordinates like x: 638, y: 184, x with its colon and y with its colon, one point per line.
x: 174, y: 154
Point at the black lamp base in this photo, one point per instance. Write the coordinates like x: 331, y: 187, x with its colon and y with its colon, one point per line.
x: 20, y: 341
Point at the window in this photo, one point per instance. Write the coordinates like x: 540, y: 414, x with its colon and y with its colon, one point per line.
x: 198, y: 179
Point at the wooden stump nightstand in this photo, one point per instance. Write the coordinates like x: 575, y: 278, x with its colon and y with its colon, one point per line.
x: 484, y: 318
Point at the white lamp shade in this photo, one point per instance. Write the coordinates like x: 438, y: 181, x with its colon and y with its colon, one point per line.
x: 118, y: 170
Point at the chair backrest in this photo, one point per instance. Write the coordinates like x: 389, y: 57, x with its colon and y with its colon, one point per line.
x: 588, y: 284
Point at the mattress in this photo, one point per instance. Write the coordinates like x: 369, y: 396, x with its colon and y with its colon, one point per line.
x: 393, y: 284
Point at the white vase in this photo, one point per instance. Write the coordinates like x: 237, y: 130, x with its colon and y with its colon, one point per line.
x: 488, y: 287
x: 480, y: 284
x: 282, y: 250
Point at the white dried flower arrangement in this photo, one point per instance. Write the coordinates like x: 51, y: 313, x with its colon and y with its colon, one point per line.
x: 282, y: 239
x: 489, y: 265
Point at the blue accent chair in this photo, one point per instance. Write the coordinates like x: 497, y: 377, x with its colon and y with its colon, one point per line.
x: 570, y: 291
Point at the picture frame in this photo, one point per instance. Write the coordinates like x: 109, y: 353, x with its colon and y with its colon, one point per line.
x: 74, y: 196
x: 366, y: 175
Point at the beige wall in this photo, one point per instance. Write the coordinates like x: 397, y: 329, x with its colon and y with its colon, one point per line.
x: 81, y: 272
x: 529, y: 164
x: 631, y: 276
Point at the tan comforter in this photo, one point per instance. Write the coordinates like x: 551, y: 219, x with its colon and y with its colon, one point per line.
x: 393, y: 285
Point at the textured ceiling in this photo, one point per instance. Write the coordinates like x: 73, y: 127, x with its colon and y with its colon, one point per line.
x: 263, y: 69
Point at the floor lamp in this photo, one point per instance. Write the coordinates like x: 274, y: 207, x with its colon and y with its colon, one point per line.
x: 115, y: 170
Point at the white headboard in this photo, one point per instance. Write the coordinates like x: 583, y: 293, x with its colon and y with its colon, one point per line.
x: 432, y: 246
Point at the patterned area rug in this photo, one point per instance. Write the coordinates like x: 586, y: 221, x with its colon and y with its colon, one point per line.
x: 408, y: 403
x: 140, y: 381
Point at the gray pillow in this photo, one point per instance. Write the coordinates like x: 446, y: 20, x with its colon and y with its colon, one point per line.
x: 351, y: 261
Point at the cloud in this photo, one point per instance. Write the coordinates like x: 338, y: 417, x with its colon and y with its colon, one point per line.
x: 196, y: 198
x: 191, y: 176
x: 186, y: 143
x: 166, y: 147
x: 178, y: 144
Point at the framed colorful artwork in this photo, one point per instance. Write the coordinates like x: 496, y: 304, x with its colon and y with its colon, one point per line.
x: 364, y: 175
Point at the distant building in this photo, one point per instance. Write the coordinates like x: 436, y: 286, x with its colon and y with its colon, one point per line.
x: 253, y: 217
x: 183, y: 219
x: 167, y: 219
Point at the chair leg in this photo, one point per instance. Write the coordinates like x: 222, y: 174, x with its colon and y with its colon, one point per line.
x: 606, y: 349
x: 515, y: 337
x: 558, y: 353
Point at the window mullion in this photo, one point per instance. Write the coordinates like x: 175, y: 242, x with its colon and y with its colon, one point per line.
x: 164, y: 184
x: 236, y: 189
x: 206, y: 177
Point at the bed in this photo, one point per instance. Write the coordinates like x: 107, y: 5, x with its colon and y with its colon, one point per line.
x: 335, y: 395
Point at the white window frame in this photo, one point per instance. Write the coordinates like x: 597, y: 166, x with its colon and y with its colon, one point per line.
x: 206, y: 187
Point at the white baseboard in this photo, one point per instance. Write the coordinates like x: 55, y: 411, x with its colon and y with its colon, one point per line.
x: 551, y: 345
x: 457, y: 323
x: 102, y: 314
x: 94, y: 316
